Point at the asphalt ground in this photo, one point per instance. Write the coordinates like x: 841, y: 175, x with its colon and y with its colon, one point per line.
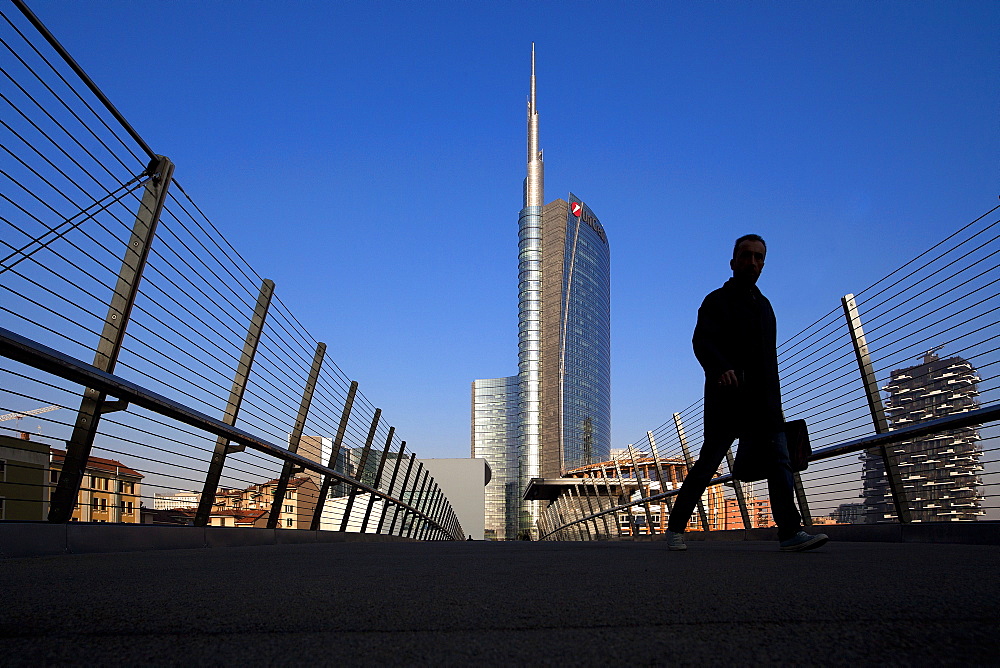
x: 477, y: 603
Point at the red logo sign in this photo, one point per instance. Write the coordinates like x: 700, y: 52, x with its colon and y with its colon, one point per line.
x: 576, y: 208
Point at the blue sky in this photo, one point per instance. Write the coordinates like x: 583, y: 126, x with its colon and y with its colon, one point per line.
x: 368, y: 157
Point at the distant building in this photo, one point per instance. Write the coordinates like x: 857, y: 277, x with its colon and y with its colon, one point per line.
x: 169, y: 516
x: 251, y: 506
x: 940, y: 473
x: 495, y: 430
x: 181, y: 499
x: 759, y: 511
x: 109, y: 490
x: 849, y: 513
x: 558, y: 406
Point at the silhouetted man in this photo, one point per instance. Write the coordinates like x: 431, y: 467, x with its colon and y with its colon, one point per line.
x: 735, y: 342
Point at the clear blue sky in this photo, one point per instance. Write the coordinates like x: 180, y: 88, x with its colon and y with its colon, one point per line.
x: 368, y: 157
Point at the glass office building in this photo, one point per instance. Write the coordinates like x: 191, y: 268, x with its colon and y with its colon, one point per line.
x: 560, y: 400
x: 494, y: 438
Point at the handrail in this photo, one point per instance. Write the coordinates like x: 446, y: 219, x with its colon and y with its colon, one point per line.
x: 22, y: 349
x: 957, y: 421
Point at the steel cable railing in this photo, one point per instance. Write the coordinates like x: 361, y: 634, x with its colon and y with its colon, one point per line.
x: 78, y: 186
x: 931, y: 331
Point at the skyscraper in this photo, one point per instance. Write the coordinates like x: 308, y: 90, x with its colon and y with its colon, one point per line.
x: 560, y: 418
x: 940, y: 473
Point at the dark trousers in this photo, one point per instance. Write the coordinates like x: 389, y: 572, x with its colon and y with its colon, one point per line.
x: 780, y: 484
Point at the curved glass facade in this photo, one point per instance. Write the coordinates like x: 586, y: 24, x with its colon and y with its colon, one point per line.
x: 586, y: 342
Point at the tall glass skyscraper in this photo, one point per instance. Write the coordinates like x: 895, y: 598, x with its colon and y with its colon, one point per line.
x: 557, y: 410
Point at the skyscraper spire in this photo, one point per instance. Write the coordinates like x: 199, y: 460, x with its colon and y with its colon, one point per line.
x: 534, y: 186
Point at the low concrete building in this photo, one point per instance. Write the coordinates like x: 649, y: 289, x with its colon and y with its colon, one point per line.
x: 24, y: 470
x: 463, y: 481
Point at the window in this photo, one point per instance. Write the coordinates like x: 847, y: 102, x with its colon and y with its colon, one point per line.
x: 3, y: 470
x: 2, y: 510
x: 104, y: 505
x: 53, y: 476
x: 288, y: 509
x: 128, y: 507
x: 289, y: 522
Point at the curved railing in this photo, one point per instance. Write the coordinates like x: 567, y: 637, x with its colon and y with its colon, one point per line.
x: 104, y: 256
x: 920, y: 346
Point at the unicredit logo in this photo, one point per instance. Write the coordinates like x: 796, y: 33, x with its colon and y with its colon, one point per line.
x: 576, y: 209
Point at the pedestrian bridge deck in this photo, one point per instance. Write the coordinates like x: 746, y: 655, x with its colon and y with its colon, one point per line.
x: 361, y: 603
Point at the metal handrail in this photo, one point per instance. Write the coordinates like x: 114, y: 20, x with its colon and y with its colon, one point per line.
x: 974, y: 417
x: 39, y: 356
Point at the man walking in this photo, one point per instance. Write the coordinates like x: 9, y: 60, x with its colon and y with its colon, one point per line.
x: 735, y: 341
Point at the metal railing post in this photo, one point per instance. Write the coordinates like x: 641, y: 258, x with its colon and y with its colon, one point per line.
x: 612, y: 501
x: 543, y: 524
x: 224, y: 446
x: 590, y: 507
x: 423, y: 501
x: 437, y: 513
x: 361, y: 468
x: 738, y: 490
x: 561, y: 510
x: 345, y: 417
x: 417, y: 497
x: 431, y: 506
x: 627, y: 500
x: 800, y: 497
x: 410, y: 499
x: 659, y: 474
x: 378, y: 480
x: 436, y: 510
x: 94, y: 403
x: 875, y: 404
x: 392, y: 484
x: 597, y: 500
x: 296, y: 437
x: 688, y: 463
x: 402, y: 490
x: 578, y: 507
x: 638, y: 480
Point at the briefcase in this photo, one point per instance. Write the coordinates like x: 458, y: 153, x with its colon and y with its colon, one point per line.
x: 755, y: 456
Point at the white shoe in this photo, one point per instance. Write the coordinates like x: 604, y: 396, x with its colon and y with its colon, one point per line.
x: 675, y: 542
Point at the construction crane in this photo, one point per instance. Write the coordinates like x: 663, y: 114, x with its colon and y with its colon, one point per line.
x: 18, y: 416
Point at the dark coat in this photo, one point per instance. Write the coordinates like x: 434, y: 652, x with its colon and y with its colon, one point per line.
x: 737, y: 330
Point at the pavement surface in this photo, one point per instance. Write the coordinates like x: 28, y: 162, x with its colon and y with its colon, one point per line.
x: 547, y: 604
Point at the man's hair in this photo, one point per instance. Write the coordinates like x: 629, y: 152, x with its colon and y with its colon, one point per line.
x: 748, y: 237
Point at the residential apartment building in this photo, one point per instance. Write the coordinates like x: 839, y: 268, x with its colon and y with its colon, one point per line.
x: 109, y: 490
x: 940, y: 473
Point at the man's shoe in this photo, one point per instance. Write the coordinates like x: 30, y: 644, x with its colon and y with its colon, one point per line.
x: 675, y: 542
x: 802, y: 541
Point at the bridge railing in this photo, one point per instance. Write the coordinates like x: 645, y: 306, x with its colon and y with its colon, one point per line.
x: 918, y: 347
x: 107, y: 261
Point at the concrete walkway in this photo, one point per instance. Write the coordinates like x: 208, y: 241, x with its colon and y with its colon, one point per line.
x: 562, y: 604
